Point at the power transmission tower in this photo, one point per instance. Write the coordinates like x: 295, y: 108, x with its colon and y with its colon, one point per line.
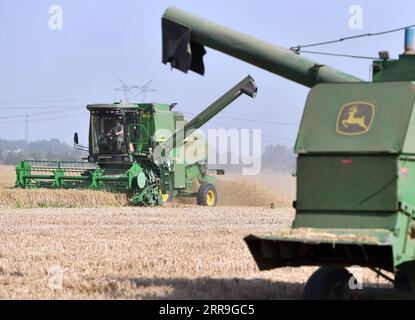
x: 26, y: 131
x: 125, y: 89
x: 128, y: 89
x: 145, y: 89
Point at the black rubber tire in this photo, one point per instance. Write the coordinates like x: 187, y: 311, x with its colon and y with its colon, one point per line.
x: 401, y: 280
x: 202, y: 195
x: 327, y: 283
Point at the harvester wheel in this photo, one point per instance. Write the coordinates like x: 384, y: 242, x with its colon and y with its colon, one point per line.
x: 401, y: 280
x: 166, y: 197
x: 327, y: 283
x: 207, y: 196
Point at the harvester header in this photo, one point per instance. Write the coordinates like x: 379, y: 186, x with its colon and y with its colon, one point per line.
x: 182, y: 30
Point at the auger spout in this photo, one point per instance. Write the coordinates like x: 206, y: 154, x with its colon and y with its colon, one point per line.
x: 185, y: 36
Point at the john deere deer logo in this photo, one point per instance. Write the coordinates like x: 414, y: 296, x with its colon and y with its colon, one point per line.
x: 355, y: 118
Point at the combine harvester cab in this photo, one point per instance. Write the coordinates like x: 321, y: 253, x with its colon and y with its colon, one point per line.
x: 139, y: 149
x: 355, y: 168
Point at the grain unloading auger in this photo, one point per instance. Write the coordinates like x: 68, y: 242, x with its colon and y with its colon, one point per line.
x: 355, y: 203
x: 139, y: 149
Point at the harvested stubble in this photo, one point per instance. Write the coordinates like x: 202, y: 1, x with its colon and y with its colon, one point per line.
x: 232, y: 191
x: 172, y: 252
x: 7, y: 176
x: 141, y: 253
x: 11, y: 197
x: 43, y: 198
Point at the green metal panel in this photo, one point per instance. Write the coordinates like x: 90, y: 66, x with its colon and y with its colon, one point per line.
x: 404, y: 243
x: 193, y: 171
x: 395, y: 70
x: 347, y: 183
x: 406, y: 181
x: 329, y: 106
x: 179, y: 175
x: 146, y: 130
x: 409, y: 144
x: 380, y: 237
x: 132, y: 106
x: 160, y: 107
x: 370, y: 247
x: 345, y: 219
x: 164, y: 126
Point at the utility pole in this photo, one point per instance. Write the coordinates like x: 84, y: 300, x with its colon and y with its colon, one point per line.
x: 26, y: 131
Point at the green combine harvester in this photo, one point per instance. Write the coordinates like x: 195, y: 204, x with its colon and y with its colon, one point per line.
x: 139, y: 149
x: 355, y: 174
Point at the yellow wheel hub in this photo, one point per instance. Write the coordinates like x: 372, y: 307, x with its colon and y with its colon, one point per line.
x: 210, y: 198
x: 165, y: 197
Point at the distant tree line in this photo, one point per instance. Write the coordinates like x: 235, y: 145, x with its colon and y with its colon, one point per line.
x: 275, y: 158
x: 13, y: 151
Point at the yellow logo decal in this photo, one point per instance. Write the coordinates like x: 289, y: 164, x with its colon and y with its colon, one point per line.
x: 355, y: 118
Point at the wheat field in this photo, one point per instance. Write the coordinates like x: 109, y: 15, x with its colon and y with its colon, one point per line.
x: 113, y: 251
x: 232, y: 190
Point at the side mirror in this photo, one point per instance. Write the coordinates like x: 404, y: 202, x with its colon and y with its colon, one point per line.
x: 75, y: 138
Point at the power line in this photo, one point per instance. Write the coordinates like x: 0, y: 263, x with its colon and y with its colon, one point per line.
x: 39, y: 107
x: 57, y: 118
x: 52, y: 100
x: 26, y: 122
x: 286, y: 123
x: 278, y: 122
x: 299, y: 47
x: 26, y: 133
x: 69, y: 109
x: 339, y: 55
x: 43, y: 119
x: 248, y: 120
x: 57, y: 108
x: 263, y: 121
x: 250, y: 115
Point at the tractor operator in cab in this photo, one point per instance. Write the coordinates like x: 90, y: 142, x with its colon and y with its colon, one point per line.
x: 118, y: 135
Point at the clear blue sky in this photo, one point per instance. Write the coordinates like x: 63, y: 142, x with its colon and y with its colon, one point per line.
x: 102, y: 41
